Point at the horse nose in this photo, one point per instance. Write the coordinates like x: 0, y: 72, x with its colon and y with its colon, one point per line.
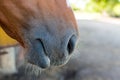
x: 71, y: 44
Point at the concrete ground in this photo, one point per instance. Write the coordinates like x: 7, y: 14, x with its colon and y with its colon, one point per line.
x: 98, y: 52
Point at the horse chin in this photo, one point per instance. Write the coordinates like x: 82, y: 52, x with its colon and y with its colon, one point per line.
x: 31, y: 69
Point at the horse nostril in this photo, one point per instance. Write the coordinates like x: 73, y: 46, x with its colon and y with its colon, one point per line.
x: 71, y: 44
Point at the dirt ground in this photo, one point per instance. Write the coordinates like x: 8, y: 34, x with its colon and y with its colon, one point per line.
x: 97, y: 56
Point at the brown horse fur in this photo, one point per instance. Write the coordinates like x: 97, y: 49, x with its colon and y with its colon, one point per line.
x: 43, y: 27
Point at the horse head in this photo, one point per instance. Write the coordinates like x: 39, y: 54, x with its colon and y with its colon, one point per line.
x: 45, y: 28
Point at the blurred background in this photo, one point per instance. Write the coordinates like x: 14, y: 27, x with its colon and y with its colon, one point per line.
x: 97, y: 55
